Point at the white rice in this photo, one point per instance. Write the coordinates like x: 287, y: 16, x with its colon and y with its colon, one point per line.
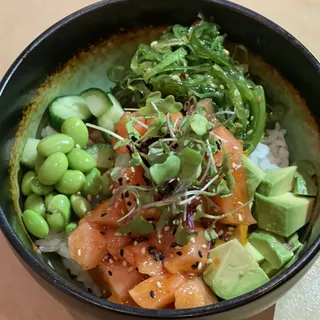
x: 47, y: 131
x: 272, y: 154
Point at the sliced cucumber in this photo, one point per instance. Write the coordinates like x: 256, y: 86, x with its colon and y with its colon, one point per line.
x: 97, y: 100
x: 30, y: 153
x: 105, y: 122
x: 104, y: 155
x: 63, y: 108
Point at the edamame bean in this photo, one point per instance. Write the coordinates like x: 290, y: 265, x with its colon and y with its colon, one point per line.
x: 71, y: 227
x: 35, y: 224
x: 59, y: 212
x: 55, y: 143
x: 38, y: 188
x: 26, y: 181
x: 77, y: 130
x: 39, y: 162
x: 81, y: 160
x: 80, y: 205
x: 93, y: 183
x: 106, y: 184
x: 36, y: 204
x: 48, y: 198
x: 71, y: 182
x: 53, y: 168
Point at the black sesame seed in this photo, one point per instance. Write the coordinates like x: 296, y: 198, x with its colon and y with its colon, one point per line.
x: 129, y: 203
x: 150, y: 219
x: 110, y: 273
x: 90, y: 290
x: 173, y: 245
x: 200, y: 254
x: 151, y: 249
x: 195, y: 265
x: 179, y: 253
x: 103, y: 214
x: 103, y: 233
x: 121, y: 252
x: 120, y: 181
x: 152, y: 294
x: 161, y: 256
x: 122, y: 196
x: 137, y: 269
x: 126, y: 194
x: 72, y: 276
x: 110, y: 158
x: 138, y: 184
x: 48, y: 212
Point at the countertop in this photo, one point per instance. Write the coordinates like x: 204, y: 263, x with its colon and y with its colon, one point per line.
x: 20, y: 22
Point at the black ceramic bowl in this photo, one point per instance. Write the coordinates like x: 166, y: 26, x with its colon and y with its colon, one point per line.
x: 44, y: 70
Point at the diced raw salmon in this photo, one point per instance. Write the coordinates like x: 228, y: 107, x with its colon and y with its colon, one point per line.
x: 116, y: 241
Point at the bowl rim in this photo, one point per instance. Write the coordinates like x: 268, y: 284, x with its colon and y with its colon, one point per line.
x: 59, y: 282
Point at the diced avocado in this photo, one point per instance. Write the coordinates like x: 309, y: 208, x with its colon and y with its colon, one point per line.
x: 268, y: 268
x: 284, y: 214
x: 293, y: 242
x: 304, y: 183
x: 272, y: 247
x: 254, y: 253
x: 233, y: 271
x: 254, y: 175
x: 277, y: 181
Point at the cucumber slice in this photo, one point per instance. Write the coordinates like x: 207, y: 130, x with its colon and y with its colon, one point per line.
x: 30, y: 153
x: 105, y: 122
x: 97, y: 100
x: 63, y: 108
x: 104, y: 155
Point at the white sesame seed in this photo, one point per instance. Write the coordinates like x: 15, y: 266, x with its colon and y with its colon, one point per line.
x: 132, y: 169
x: 204, y: 246
x: 152, y: 274
x: 130, y: 269
x: 166, y: 228
x: 79, y: 252
x: 233, y: 165
x: 111, y: 187
x: 89, y: 197
x: 153, y: 43
x: 235, y: 148
x: 143, y: 250
x: 240, y: 218
x: 200, y: 266
x: 78, y: 193
x: 122, y: 212
x: 124, y: 263
x: 249, y: 132
x: 209, y: 261
x: 231, y: 228
x: 159, y: 284
x: 178, y: 247
x: 78, y: 146
x: 135, y: 243
x: 220, y: 233
x: 229, y: 233
x: 110, y: 261
x: 117, y: 234
x: 113, y: 191
x: 226, y: 52
x: 116, y: 205
x: 175, y: 77
x: 193, y: 240
x: 221, y: 86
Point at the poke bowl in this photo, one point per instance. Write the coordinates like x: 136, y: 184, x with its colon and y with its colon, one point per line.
x: 157, y: 165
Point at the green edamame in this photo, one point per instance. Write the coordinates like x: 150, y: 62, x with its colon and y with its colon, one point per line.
x: 93, y: 183
x: 80, y: 205
x: 38, y: 188
x: 53, y: 168
x: 36, y: 204
x: 59, y: 212
x: 48, y: 197
x: 81, y: 160
x: 71, y: 182
x: 70, y: 228
x: 106, y: 184
x: 77, y: 130
x: 55, y: 143
x: 26, y: 183
x: 35, y: 224
x: 39, y: 162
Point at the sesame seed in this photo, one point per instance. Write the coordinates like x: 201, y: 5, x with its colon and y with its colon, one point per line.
x: 179, y: 253
x: 132, y: 169
x: 79, y: 252
x: 126, y: 194
x: 153, y: 43
x: 135, y: 242
x: 111, y: 187
x: 231, y: 228
x: 166, y: 228
x: 200, y: 254
x: 204, y: 246
x: 78, y: 193
x: 121, y: 252
x: 120, y: 180
x: 110, y: 273
x: 122, y: 212
x: 220, y: 233
x: 173, y: 245
x: 209, y: 261
x: 130, y: 269
x: 178, y: 247
x: 102, y: 233
x: 143, y: 250
x: 151, y: 249
x: 90, y: 290
x: 124, y: 263
x: 175, y: 77
x: 152, y: 274
x: 240, y: 218
x: 249, y: 132
x: 226, y: 52
x: 200, y: 266
x: 152, y: 294
x: 89, y: 197
x: 159, y: 284
x: 193, y: 240
x: 235, y: 148
x: 229, y: 233
x: 129, y: 203
x: 78, y: 146
x: 110, y: 261
x: 221, y: 86
x: 116, y: 205
x: 117, y: 234
x: 113, y: 191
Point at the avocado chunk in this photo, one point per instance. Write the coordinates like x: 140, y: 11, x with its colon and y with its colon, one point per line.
x: 272, y: 247
x: 233, y: 271
x: 268, y: 268
x: 254, y: 175
x: 284, y: 214
x: 254, y: 253
x: 293, y: 243
x: 304, y: 184
x: 277, y: 181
